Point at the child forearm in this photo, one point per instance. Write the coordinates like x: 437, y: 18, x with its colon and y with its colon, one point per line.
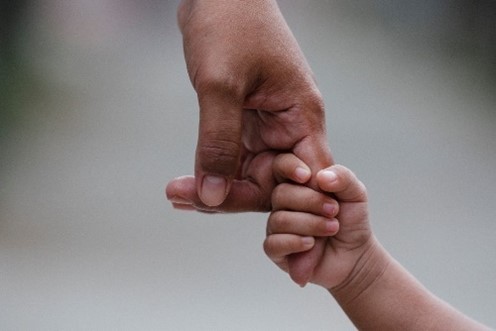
x: 380, y: 294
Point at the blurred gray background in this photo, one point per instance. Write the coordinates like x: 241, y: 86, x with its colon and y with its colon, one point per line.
x: 97, y: 114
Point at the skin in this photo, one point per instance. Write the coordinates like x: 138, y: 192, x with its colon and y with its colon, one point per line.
x: 372, y: 288
x: 257, y: 98
x: 301, y: 213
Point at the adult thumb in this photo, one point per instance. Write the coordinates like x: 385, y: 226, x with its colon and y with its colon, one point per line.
x: 219, y: 145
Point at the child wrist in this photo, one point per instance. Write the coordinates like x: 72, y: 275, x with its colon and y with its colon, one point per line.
x: 368, y: 270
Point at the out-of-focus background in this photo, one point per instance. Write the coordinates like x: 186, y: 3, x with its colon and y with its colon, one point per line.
x: 97, y: 114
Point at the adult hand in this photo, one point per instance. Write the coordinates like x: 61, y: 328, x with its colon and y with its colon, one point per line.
x: 256, y: 94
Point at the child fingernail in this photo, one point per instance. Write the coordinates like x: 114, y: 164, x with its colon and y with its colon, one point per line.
x: 180, y: 206
x: 329, y: 175
x: 329, y: 209
x: 332, y: 226
x: 302, y: 174
x: 308, y: 241
x: 180, y: 200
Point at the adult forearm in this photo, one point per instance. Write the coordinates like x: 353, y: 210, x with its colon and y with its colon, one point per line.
x: 381, y: 295
x: 226, y: 7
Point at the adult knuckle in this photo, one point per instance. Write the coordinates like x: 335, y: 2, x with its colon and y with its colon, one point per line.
x: 219, y: 155
x: 312, y: 100
x: 310, y: 112
x: 214, y: 80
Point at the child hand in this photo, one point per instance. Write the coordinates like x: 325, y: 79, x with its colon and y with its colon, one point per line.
x: 299, y: 214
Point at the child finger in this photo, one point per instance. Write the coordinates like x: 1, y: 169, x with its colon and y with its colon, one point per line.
x: 289, y: 167
x: 343, y: 183
x: 296, y: 197
x: 303, y: 224
x: 278, y: 246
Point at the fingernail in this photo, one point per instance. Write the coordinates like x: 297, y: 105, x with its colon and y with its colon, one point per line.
x: 302, y: 174
x: 332, y: 227
x: 180, y: 200
x: 329, y: 176
x: 181, y: 206
x: 213, y: 190
x: 328, y: 209
x: 308, y: 241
